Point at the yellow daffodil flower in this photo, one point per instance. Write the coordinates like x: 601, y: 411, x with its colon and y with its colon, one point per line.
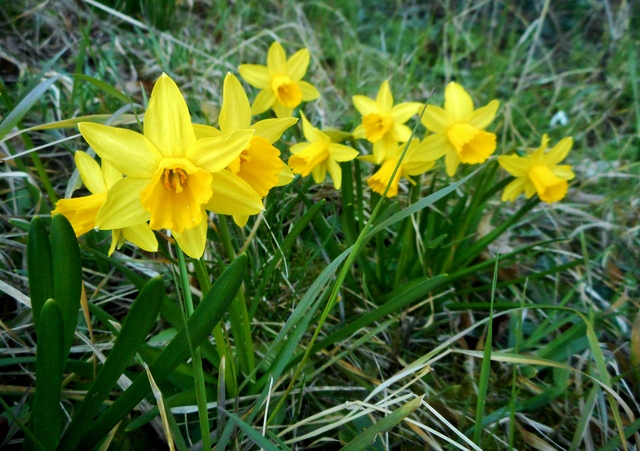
x: 382, y: 122
x: 539, y: 172
x: 318, y: 155
x: 459, y: 129
x: 172, y: 177
x: 280, y: 81
x: 413, y: 163
x: 259, y: 164
x: 82, y: 211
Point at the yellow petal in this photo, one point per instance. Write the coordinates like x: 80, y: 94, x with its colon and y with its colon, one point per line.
x: 110, y: 174
x: 256, y: 75
x: 272, y: 129
x: 260, y: 165
x: 263, y: 101
x: 400, y: 133
x: 297, y: 64
x: 233, y: 196
x: 515, y: 165
x: 309, y: 92
x: 319, y: 173
x: 451, y: 162
x: 402, y: 112
x: 205, y: 131
x: 563, y: 172
x: 365, y: 105
x: 235, y: 113
x: 436, y: 146
x: 336, y: 173
x: 550, y: 188
x: 81, y: 211
x: 416, y: 160
x: 175, y: 196
x: 482, y: 117
x: 359, y: 132
x: 117, y: 240
x: 90, y: 173
x: 311, y: 133
x: 215, y: 154
x: 192, y: 241
x: 436, y: 119
x: 296, y: 148
x: 340, y: 152
x: 142, y: 236
x: 513, y: 189
x: 303, y: 162
x: 336, y: 136
x: 129, y: 152
x: 382, y: 148
x: 240, y: 220
x: 558, y: 152
x: 378, y: 181
x: 167, y: 123
x: 457, y: 102
x: 281, y: 110
x: 384, y: 98
x: 276, y: 59
x: 285, y: 176
x: 472, y: 145
x: 123, y: 207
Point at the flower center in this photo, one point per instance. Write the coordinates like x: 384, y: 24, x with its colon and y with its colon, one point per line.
x: 472, y: 145
x: 550, y: 187
x: 174, y: 179
x: 376, y: 126
x: 287, y: 91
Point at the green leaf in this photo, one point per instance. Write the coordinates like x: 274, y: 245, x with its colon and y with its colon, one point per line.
x: 67, y: 275
x: 205, y: 317
x: 49, y: 369
x: 362, y: 441
x: 139, y: 321
x: 39, y: 267
x: 103, y: 86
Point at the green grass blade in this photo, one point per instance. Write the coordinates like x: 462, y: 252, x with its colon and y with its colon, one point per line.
x: 139, y: 321
x: 67, y: 275
x: 25, y: 105
x: 210, y: 311
x: 254, y: 435
x: 366, y: 438
x: 49, y: 369
x: 39, y: 267
x: 486, y: 366
x: 106, y: 87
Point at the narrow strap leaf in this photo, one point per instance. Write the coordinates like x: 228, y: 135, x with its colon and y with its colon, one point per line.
x: 39, y: 267
x: 67, y: 275
x: 49, y: 369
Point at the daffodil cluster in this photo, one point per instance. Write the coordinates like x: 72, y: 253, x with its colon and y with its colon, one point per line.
x: 173, y: 173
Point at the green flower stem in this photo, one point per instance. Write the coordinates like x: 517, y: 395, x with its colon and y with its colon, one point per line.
x: 196, y: 358
x: 238, y: 314
x: 335, y: 292
x: 218, y: 334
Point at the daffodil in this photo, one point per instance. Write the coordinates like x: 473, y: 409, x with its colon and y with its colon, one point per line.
x: 318, y: 155
x: 382, y: 122
x: 414, y: 163
x: 539, y: 172
x: 459, y: 129
x: 259, y: 164
x: 172, y: 177
x: 82, y: 211
x: 280, y: 81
